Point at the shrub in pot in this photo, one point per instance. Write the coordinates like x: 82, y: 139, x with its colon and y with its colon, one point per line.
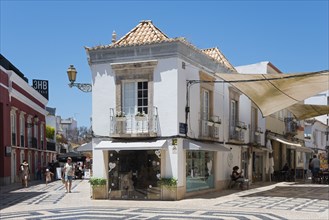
x: 99, y: 189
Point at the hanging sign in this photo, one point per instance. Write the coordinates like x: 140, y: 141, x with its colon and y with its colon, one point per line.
x: 41, y: 86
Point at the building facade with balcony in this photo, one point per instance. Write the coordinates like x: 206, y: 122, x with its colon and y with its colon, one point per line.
x: 284, y: 133
x: 68, y: 131
x: 22, y: 122
x: 159, y: 111
x: 316, y: 138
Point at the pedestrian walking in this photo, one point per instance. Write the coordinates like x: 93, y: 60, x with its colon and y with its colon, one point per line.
x: 25, y: 172
x: 68, y: 174
x: 48, y: 175
x: 315, y: 164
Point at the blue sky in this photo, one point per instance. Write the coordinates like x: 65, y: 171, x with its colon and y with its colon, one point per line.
x: 42, y: 38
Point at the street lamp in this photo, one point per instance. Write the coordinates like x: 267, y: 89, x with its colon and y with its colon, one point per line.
x: 72, y: 74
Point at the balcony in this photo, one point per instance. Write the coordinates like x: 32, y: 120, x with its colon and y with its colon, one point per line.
x: 290, y: 126
x: 255, y: 135
x: 210, y: 127
x: 237, y: 131
x: 125, y: 125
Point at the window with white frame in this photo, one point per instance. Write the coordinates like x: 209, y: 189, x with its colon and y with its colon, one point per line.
x: 29, y: 134
x: 22, y: 130
x: 234, y: 110
x: 233, y: 115
x: 205, y: 112
x: 41, y: 136
x: 35, y: 136
x: 254, y: 124
x: 205, y: 104
x: 13, y: 126
x: 142, y: 97
x: 135, y: 97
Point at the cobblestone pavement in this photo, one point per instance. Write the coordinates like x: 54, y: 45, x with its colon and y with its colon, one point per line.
x: 278, y: 201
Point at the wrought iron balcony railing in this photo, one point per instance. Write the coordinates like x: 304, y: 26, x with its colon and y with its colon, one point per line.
x: 237, y: 131
x: 131, y: 123
x: 290, y: 125
x: 210, y: 126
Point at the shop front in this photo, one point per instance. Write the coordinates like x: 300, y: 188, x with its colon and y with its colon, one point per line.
x: 134, y: 174
x: 136, y: 170
x: 291, y: 155
x: 199, y: 170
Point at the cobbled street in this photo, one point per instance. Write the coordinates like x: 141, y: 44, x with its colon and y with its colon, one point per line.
x: 273, y: 201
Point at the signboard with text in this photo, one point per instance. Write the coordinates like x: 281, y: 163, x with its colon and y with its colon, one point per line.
x: 41, y: 86
x: 182, y: 128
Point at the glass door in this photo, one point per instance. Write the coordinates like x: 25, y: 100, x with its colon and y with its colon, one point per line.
x: 134, y: 174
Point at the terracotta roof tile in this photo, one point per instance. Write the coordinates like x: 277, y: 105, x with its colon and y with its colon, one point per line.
x: 145, y: 32
x: 218, y: 56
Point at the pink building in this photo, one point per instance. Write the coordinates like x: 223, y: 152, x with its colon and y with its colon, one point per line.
x: 22, y: 125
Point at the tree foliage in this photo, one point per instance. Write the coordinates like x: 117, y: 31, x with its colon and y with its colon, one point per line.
x: 50, y: 132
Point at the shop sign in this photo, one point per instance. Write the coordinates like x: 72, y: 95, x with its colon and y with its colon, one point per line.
x: 182, y: 128
x: 41, y: 86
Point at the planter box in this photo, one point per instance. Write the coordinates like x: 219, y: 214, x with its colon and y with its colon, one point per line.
x: 140, y: 118
x: 216, y: 124
x: 99, y: 192
x: 210, y: 123
x: 169, y: 193
x: 120, y: 118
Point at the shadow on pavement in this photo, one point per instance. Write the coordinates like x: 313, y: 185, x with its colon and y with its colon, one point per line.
x: 226, y: 192
x: 12, y: 198
x: 307, y: 192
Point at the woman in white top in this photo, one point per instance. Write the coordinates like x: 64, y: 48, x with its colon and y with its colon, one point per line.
x: 68, y: 174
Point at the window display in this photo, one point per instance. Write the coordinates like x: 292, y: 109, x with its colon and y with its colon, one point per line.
x: 199, y: 170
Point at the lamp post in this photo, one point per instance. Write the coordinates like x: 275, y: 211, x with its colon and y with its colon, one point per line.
x: 72, y: 74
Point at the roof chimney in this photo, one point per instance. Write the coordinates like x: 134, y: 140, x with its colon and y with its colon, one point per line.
x: 114, y: 37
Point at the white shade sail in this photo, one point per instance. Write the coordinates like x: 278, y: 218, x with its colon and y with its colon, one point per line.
x: 274, y: 92
x: 303, y: 111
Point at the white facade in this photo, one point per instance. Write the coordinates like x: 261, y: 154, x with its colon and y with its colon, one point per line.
x: 320, y: 99
x: 182, y: 89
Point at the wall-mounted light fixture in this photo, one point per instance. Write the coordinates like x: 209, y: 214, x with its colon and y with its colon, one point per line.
x: 72, y: 74
x: 35, y: 121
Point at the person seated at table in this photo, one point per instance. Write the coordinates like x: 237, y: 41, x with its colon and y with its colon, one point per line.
x: 238, y: 177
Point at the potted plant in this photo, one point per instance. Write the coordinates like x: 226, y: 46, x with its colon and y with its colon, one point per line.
x: 99, y: 189
x: 210, y: 122
x: 239, y: 127
x: 120, y: 116
x: 140, y: 116
x: 168, y: 188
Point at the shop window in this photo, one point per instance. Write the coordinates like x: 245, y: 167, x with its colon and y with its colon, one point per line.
x: 199, y: 170
x: 134, y: 174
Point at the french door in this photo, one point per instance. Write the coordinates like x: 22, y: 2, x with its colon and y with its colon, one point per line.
x: 135, y: 101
